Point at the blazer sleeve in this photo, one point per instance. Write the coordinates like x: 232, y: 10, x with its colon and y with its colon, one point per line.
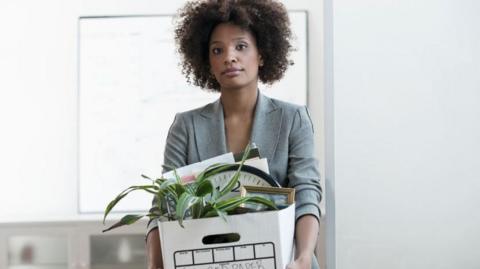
x: 175, y: 154
x: 303, y: 173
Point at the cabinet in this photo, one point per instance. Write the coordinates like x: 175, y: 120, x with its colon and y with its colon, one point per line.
x: 71, y: 245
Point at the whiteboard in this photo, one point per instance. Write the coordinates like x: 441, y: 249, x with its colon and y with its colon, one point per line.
x: 130, y: 88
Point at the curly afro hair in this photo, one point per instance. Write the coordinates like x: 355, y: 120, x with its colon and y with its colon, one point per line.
x: 267, y: 20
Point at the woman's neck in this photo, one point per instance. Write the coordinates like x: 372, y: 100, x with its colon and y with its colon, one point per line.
x: 240, y: 102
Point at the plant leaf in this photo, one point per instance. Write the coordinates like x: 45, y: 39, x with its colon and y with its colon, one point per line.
x: 126, y: 220
x: 218, y: 169
x: 185, y: 202
x: 233, y: 181
x: 260, y: 200
x: 211, y: 209
x: 168, y: 182
x: 222, y: 214
x: 177, y: 176
x: 155, y: 211
x: 112, y: 204
x: 234, y: 202
x: 168, y: 188
x: 197, y: 208
x: 206, y: 208
x: 204, y: 188
x: 144, y: 176
x: 231, y: 203
x: 159, y: 181
x: 191, y: 187
x: 179, y: 189
x: 124, y: 193
x: 212, y: 170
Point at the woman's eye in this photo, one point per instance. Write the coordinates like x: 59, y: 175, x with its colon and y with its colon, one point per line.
x: 216, y: 51
x: 241, y: 46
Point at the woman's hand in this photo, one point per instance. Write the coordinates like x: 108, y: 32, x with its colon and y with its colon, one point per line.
x: 301, y: 263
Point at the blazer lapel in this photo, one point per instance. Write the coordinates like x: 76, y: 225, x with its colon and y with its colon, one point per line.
x: 210, y: 131
x: 267, y: 124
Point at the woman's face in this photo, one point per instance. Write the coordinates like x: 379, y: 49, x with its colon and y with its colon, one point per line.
x: 233, y: 56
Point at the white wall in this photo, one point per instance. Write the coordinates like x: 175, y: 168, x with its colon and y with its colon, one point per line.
x: 406, y: 95
x: 37, y: 109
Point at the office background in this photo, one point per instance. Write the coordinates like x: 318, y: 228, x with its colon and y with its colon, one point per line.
x: 394, y: 89
x: 130, y: 88
x: 41, y: 54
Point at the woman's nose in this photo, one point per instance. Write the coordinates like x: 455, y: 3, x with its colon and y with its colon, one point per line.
x: 230, y: 57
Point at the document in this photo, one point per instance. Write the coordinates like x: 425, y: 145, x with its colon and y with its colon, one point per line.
x: 188, y: 173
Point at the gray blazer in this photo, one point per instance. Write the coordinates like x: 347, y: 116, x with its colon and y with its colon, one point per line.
x: 283, y: 133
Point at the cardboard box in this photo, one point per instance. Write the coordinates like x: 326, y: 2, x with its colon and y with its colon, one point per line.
x: 265, y: 241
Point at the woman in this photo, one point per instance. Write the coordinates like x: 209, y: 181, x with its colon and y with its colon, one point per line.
x: 228, y: 46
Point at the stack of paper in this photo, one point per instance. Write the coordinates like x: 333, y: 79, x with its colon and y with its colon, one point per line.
x: 188, y: 173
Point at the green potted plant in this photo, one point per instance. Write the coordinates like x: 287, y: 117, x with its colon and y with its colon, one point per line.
x: 176, y: 200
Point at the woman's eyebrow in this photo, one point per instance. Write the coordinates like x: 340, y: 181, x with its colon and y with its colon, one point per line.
x: 215, y: 42
x: 244, y: 38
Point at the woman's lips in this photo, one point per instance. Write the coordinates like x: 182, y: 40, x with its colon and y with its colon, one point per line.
x: 232, y: 72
